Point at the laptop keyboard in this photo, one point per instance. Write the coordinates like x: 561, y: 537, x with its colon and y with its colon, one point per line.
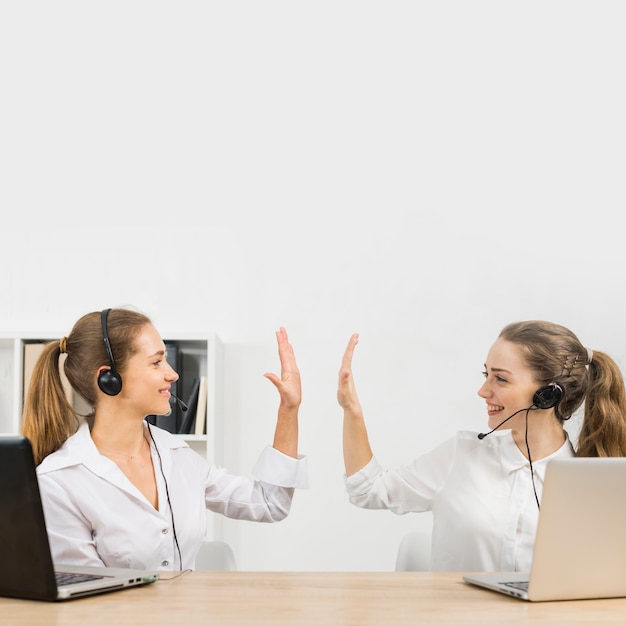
x: 522, y: 585
x: 71, y: 578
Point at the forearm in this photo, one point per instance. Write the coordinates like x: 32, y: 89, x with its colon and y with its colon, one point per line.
x: 357, y: 452
x: 286, y: 433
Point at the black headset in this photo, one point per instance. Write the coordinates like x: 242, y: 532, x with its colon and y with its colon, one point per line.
x: 109, y: 381
x: 547, y: 397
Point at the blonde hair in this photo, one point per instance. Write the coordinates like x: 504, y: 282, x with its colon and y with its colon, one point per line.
x: 556, y: 355
x: 48, y: 419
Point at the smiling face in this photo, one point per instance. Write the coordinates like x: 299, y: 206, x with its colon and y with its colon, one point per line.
x: 509, y: 384
x: 147, y: 375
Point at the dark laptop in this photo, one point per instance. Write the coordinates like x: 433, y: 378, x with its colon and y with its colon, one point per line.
x: 27, y: 570
x: 580, y: 547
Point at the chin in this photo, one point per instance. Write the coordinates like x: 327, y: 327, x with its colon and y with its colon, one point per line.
x: 161, y: 411
x: 497, y: 423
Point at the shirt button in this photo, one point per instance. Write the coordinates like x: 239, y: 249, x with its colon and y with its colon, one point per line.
x: 165, y: 563
x: 165, y: 531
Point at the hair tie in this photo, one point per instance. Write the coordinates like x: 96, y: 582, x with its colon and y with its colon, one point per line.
x: 63, y: 345
x: 589, y: 355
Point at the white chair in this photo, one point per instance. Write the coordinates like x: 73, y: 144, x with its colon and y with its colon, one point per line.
x: 216, y: 556
x: 414, y: 552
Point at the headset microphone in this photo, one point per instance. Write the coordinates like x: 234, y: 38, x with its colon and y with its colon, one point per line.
x: 181, y: 404
x: 544, y: 398
x: 183, y: 407
x: 483, y: 435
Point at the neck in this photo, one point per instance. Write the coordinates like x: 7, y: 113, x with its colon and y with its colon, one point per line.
x: 123, y: 439
x: 545, y: 437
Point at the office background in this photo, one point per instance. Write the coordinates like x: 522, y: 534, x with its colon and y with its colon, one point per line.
x: 419, y: 172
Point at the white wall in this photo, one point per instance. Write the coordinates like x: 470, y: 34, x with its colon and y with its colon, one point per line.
x: 420, y: 172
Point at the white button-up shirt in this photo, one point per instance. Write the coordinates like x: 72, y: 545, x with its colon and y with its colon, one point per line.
x: 480, y: 494
x: 96, y: 516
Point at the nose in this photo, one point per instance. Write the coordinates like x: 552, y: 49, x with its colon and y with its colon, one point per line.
x: 171, y: 374
x: 485, y: 390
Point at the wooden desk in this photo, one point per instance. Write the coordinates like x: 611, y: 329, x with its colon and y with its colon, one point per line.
x: 320, y: 598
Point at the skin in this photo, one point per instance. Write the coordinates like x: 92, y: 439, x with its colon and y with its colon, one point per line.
x: 118, y: 425
x: 509, y: 386
x: 357, y: 452
x: 290, y: 391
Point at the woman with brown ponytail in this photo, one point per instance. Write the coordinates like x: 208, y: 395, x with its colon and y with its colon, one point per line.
x: 484, y: 489
x: 119, y: 492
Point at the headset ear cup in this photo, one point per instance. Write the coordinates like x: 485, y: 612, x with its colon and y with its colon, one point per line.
x: 109, y: 382
x: 548, y: 397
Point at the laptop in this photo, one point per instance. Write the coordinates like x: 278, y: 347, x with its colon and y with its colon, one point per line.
x: 27, y: 570
x: 580, y: 546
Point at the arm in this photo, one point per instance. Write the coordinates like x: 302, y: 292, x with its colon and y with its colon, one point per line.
x: 356, y: 448
x: 289, y: 388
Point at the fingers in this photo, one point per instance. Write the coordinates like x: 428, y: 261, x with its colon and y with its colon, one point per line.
x: 273, y: 378
x: 346, y: 362
x: 289, y: 368
x: 346, y: 392
x: 285, y: 353
x: 288, y: 383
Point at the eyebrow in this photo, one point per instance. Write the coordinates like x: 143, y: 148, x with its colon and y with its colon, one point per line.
x: 498, y: 369
x: 157, y: 353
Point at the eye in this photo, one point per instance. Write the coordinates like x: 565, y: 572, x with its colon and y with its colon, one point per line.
x: 498, y: 378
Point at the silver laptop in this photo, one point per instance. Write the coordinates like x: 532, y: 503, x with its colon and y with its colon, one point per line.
x: 580, y: 547
x: 27, y: 569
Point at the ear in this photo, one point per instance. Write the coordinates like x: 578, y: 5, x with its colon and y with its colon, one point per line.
x: 109, y: 381
x: 549, y: 396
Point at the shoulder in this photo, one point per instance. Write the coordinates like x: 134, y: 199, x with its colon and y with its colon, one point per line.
x: 462, y: 439
x: 73, y: 452
x: 467, y: 443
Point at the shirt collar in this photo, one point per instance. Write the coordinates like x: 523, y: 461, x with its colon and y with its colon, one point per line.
x: 513, y: 459
x: 80, y: 449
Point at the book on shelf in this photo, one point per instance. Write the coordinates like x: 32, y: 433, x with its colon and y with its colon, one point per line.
x: 200, y: 426
x: 187, y: 425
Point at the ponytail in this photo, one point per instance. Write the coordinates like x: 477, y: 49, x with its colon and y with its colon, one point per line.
x: 556, y: 355
x: 603, y: 432
x: 48, y: 419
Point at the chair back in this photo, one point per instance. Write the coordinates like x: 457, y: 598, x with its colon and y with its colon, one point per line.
x: 414, y: 552
x: 216, y: 556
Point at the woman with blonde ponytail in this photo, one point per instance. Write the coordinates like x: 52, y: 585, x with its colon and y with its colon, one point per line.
x: 120, y: 492
x: 484, y: 489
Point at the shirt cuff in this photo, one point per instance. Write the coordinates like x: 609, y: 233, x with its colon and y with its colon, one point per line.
x: 282, y: 470
x: 365, y: 476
